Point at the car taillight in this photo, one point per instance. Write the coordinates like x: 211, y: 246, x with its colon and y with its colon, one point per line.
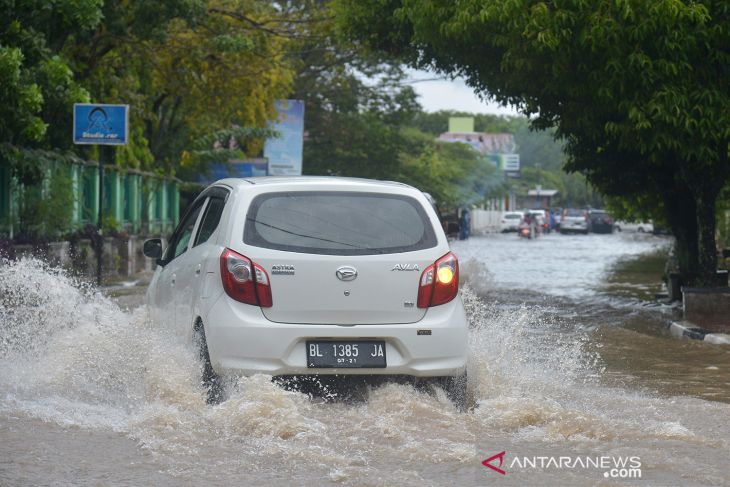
x: 439, y: 282
x: 244, y: 280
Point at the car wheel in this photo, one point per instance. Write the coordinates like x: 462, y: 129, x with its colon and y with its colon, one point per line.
x: 210, y: 380
x: 618, y: 229
x: 640, y: 230
x: 456, y: 390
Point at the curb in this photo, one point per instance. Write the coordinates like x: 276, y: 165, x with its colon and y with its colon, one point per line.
x: 686, y: 330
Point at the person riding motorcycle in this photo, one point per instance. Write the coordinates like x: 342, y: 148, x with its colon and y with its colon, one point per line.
x: 527, y: 227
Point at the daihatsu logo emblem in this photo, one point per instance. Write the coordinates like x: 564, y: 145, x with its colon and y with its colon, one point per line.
x: 346, y: 273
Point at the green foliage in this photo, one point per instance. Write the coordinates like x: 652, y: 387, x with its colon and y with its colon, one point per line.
x: 362, y: 121
x: 47, y: 209
x: 539, y: 148
x: 37, y: 88
x: 186, y: 67
x: 20, y: 100
x: 355, y: 104
x: 453, y: 173
x: 110, y: 225
x: 643, y: 208
x: 220, y: 147
x: 437, y: 123
x: 639, y: 90
x: 723, y: 213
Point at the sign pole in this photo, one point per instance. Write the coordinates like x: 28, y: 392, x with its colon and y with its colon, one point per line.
x: 100, y: 219
x: 101, y: 124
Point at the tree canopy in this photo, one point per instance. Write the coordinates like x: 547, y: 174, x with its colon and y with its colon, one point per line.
x: 201, y: 77
x: 639, y: 90
x: 187, y: 68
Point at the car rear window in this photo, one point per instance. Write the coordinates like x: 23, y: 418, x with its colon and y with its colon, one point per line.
x: 572, y: 212
x: 512, y: 216
x: 338, y: 223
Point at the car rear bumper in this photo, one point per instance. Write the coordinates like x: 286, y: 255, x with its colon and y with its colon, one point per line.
x: 573, y: 227
x: 242, y: 341
x: 601, y: 228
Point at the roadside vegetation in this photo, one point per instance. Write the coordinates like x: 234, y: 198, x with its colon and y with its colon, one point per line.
x: 639, y: 91
x: 201, y: 78
x: 635, y: 94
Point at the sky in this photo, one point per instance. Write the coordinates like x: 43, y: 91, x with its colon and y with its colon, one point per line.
x: 444, y: 94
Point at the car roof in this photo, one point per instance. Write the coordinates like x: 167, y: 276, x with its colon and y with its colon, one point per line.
x: 308, y: 180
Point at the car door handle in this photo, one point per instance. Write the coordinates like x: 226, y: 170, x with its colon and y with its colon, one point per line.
x: 172, y: 281
x: 197, y: 271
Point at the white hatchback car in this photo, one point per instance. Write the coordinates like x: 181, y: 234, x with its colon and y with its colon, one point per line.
x: 510, y: 221
x: 313, y: 276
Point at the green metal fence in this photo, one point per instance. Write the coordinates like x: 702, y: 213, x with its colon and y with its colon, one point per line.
x: 134, y: 201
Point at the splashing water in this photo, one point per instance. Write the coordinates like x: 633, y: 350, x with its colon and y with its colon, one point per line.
x: 74, y: 360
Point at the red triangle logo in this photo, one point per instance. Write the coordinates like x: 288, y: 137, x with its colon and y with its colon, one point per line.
x: 487, y: 463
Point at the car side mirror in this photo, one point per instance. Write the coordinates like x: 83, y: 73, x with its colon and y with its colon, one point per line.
x: 153, y: 248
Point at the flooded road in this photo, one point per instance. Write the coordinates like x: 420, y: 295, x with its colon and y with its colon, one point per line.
x: 571, y: 372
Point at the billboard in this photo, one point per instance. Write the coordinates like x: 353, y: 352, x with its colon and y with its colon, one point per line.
x: 505, y: 162
x: 100, y: 124
x: 284, y: 153
x: 236, y: 168
x: 511, y: 162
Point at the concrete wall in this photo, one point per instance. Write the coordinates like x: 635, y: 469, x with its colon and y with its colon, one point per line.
x: 121, y: 257
x: 708, y: 308
x: 485, y: 221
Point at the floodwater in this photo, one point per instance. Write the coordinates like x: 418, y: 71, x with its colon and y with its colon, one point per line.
x: 571, y: 371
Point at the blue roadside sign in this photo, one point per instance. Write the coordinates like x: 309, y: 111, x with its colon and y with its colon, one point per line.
x: 100, y: 124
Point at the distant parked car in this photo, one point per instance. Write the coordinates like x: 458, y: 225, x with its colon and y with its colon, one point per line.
x: 599, y: 222
x: 660, y: 230
x: 641, y: 227
x: 510, y: 221
x: 574, y: 220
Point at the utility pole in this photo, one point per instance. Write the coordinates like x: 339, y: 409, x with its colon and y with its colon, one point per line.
x: 539, y: 184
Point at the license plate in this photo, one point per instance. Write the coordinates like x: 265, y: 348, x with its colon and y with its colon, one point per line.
x: 346, y: 354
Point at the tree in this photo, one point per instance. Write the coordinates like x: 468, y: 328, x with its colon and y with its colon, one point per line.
x: 189, y: 69
x: 37, y: 87
x: 453, y: 173
x: 437, y: 123
x: 639, y: 90
x: 352, y: 99
x: 361, y: 119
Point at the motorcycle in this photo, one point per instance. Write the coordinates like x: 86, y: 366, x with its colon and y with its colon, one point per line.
x: 526, y: 230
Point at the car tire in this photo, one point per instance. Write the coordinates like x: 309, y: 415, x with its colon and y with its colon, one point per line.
x: 210, y: 380
x: 456, y: 389
x: 618, y: 229
x: 640, y: 230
